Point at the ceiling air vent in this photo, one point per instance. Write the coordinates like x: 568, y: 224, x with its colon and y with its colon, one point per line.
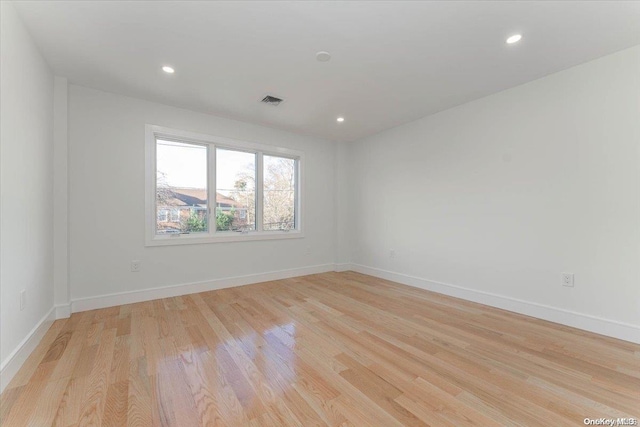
x: 272, y: 100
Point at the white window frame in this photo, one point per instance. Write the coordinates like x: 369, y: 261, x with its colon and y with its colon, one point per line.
x: 171, y: 216
x: 165, y: 216
x: 153, y: 132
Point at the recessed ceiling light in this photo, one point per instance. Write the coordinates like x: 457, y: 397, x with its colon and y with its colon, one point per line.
x: 323, y: 56
x: 340, y: 119
x: 514, y: 38
x: 168, y: 70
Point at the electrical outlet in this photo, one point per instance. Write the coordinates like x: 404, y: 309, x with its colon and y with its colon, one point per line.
x: 392, y: 253
x: 23, y: 299
x: 567, y: 279
x: 135, y: 266
x: 308, y: 250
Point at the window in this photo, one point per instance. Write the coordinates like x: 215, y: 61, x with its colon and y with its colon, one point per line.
x: 235, y: 190
x: 279, y: 193
x: 204, y: 189
x: 181, y: 182
x: 163, y: 215
x: 175, y: 215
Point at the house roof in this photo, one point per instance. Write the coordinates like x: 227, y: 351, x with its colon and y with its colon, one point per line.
x: 198, y: 197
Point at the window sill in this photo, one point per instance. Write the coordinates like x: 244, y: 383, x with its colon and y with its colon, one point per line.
x: 195, y: 239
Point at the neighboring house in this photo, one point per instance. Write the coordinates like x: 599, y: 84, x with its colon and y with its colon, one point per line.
x: 185, y: 202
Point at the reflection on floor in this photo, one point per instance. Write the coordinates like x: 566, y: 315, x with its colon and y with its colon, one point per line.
x: 334, y: 349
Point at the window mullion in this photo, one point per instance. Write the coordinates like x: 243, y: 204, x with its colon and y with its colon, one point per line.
x: 211, y: 194
x: 154, y: 185
x: 259, y: 191
x: 296, y: 197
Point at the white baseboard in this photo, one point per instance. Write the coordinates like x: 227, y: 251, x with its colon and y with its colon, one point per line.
x: 611, y: 328
x: 19, y: 355
x: 342, y: 267
x: 63, y: 311
x: 12, y: 363
x: 110, y: 300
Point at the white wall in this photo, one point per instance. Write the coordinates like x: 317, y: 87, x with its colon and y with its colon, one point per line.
x: 342, y: 217
x: 106, y: 215
x: 26, y: 243
x: 60, y: 198
x: 502, y: 194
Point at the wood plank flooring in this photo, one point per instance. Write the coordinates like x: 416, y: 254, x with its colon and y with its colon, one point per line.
x: 334, y: 349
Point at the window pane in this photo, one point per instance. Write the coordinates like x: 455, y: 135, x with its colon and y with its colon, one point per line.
x: 236, y: 190
x: 181, y: 188
x: 279, y: 193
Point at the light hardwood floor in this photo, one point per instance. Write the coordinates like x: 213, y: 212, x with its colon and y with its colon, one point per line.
x: 334, y: 349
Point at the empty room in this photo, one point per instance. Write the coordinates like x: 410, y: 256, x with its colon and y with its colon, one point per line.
x: 319, y: 213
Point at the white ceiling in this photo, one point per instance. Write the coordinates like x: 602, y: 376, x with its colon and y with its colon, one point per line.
x: 392, y: 62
